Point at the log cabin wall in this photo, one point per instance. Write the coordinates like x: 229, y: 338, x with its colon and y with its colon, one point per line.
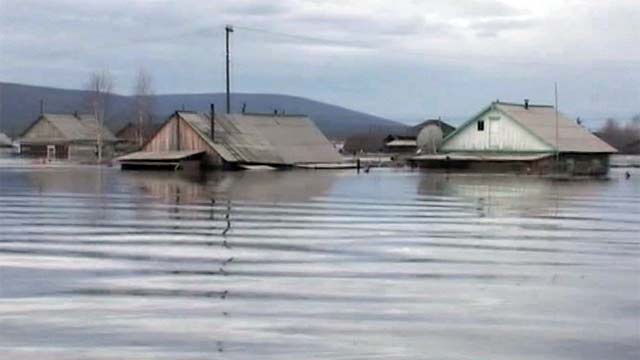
x: 177, y: 135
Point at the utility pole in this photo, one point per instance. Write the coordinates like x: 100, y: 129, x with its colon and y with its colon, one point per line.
x: 96, y: 113
x: 228, y: 30
x: 555, y: 88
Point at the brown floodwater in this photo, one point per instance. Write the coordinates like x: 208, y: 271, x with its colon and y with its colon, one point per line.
x: 394, y: 264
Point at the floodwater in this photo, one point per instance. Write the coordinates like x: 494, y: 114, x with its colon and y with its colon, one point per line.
x: 393, y: 264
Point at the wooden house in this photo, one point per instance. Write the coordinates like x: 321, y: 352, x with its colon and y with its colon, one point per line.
x: 232, y: 140
x: 521, y: 137
x: 66, y: 136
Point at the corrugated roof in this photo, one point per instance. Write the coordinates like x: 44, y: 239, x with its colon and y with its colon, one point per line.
x: 78, y: 128
x: 265, y: 139
x: 541, y: 121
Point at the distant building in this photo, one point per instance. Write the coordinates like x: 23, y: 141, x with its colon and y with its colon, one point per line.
x: 364, y: 143
x: 234, y: 140
x: 5, y: 141
x: 66, y: 136
x: 445, y: 127
x: 400, y: 144
x: 521, y: 137
x: 131, y: 138
x: 6, y: 146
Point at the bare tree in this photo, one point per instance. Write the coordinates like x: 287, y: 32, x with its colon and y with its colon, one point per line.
x: 622, y: 137
x: 100, y: 86
x: 143, y: 97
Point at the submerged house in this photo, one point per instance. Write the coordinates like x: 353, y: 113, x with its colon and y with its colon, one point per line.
x: 524, y: 138
x: 234, y: 140
x: 66, y: 136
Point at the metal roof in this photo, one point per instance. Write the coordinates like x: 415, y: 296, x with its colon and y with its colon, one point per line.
x: 265, y: 139
x: 76, y: 127
x: 541, y: 121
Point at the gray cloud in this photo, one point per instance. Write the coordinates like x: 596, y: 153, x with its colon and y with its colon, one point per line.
x: 492, y: 27
x: 434, y: 57
x: 484, y: 8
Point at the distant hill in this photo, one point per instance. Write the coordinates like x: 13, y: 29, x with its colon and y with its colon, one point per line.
x: 20, y: 105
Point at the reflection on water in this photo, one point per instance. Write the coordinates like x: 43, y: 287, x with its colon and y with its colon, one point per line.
x: 96, y: 263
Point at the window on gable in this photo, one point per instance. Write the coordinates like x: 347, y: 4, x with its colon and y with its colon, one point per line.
x: 480, y: 125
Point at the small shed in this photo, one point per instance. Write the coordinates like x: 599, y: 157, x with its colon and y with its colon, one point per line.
x: 66, y: 136
x: 231, y: 140
x: 522, y: 137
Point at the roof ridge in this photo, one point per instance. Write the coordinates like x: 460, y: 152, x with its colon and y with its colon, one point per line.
x: 521, y: 104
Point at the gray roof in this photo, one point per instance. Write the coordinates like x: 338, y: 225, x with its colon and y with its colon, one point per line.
x: 80, y: 127
x: 160, y: 156
x: 5, y: 141
x: 541, y: 121
x: 265, y: 139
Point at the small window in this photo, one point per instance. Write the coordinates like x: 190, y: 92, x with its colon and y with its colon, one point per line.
x: 480, y: 125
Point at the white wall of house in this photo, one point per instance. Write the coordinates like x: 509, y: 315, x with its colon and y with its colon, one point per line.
x: 500, y: 133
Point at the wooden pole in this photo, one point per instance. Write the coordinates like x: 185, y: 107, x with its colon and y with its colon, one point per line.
x: 555, y: 86
x: 228, y: 30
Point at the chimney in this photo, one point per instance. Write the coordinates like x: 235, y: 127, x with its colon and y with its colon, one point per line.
x: 213, y: 124
x: 526, y: 104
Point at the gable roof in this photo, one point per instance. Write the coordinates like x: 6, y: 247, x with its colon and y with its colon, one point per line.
x: 5, y: 141
x: 540, y: 121
x: 75, y: 127
x: 265, y: 139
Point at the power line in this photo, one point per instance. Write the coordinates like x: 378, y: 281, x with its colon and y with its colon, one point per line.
x: 295, y: 36
x: 460, y: 58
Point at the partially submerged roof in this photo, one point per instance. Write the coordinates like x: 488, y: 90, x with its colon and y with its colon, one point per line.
x: 265, y: 139
x: 5, y: 141
x: 75, y: 127
x: 478, y: 157
x: 540, y: 121
x: 159, y: 156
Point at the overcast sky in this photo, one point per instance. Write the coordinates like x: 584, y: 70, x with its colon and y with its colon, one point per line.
x: 400, y: 59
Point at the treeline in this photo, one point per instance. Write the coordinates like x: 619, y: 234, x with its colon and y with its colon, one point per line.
x: 624, y: 137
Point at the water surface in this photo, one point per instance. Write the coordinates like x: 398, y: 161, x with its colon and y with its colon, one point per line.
x: 394, y: 264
